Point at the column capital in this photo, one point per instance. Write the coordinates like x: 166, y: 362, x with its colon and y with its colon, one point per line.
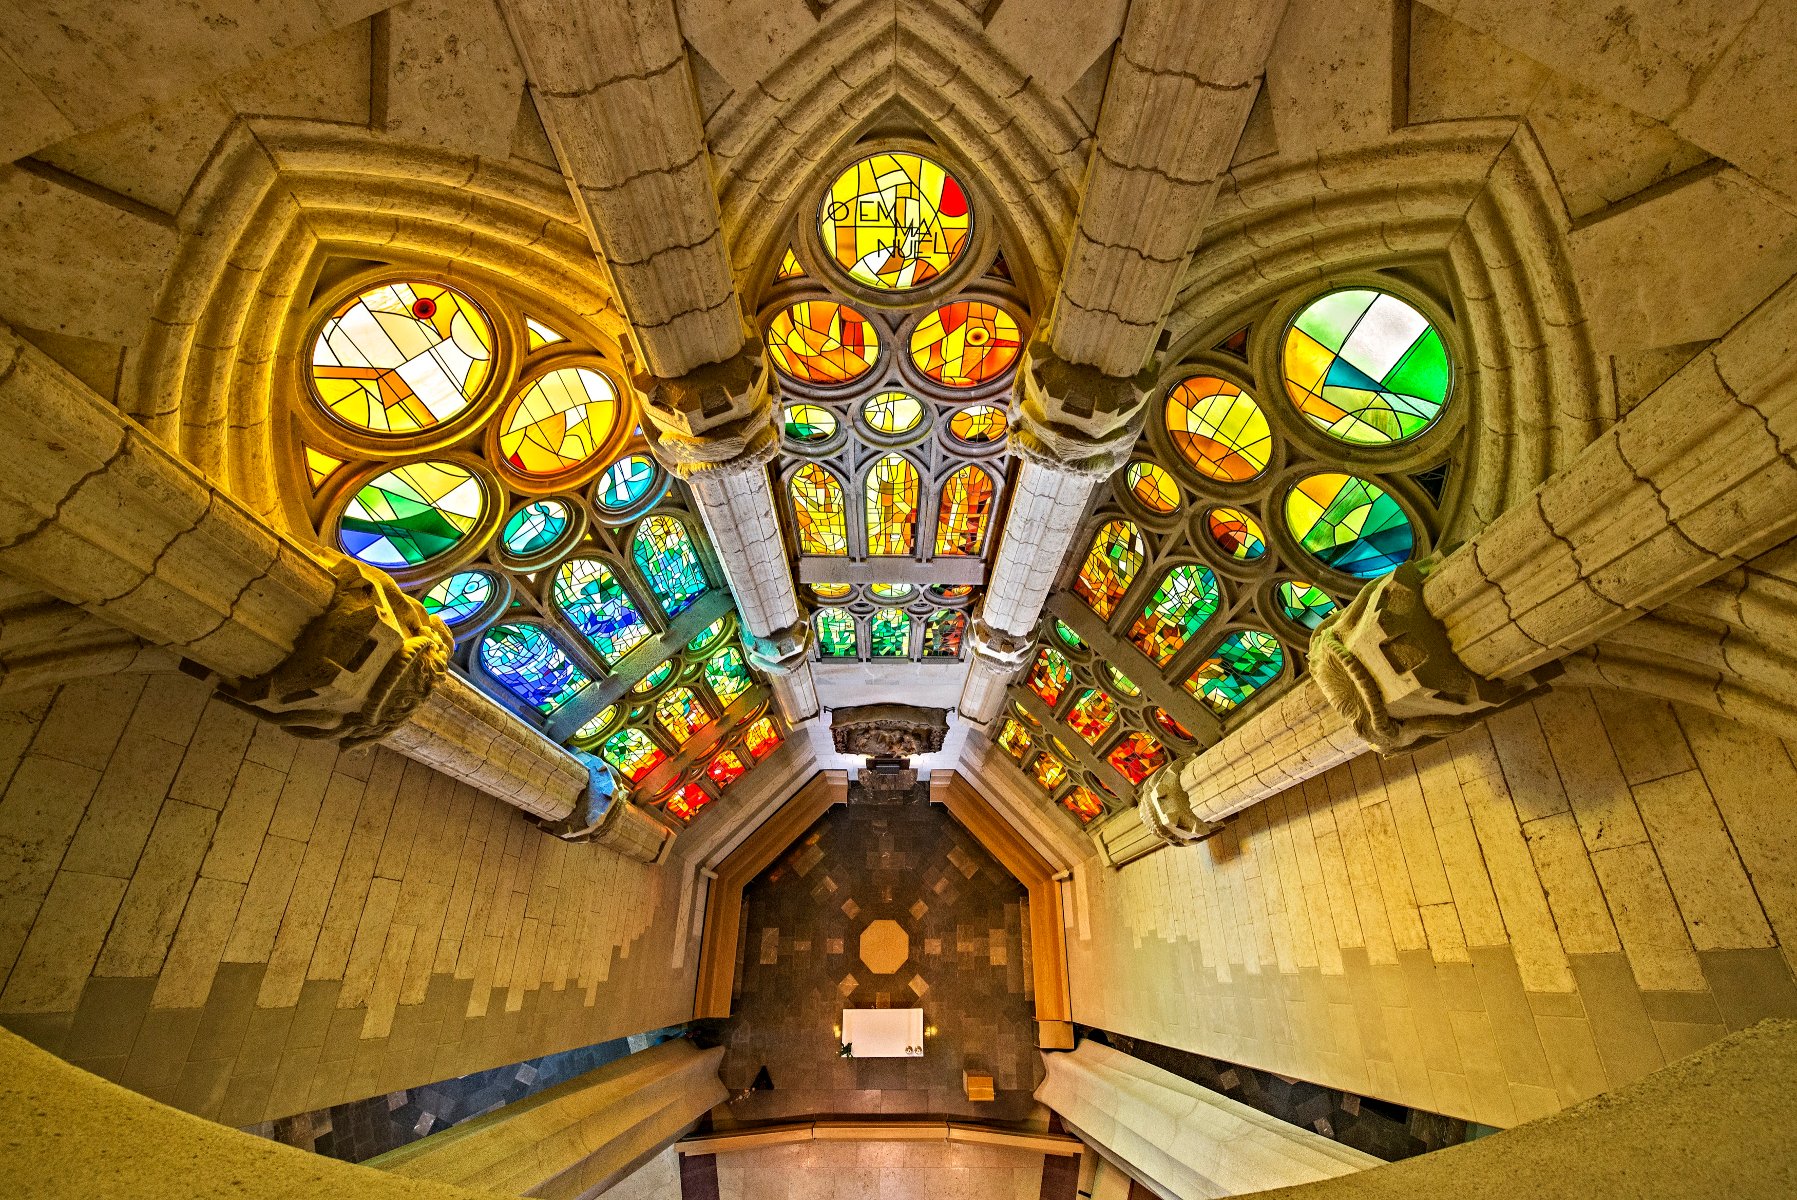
x: 1074, y: 417
x: 1385, y: 663
x: 1166, y: 809
x: 1006, y: 651
x: 718, y: 417
x: 782, y: 652
x: 359, y: 669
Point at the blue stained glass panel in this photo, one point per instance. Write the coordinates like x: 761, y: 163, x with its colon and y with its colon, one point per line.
x: 526, y: 662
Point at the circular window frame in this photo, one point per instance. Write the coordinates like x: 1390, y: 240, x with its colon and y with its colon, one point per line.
x: 1169, y: 456
x: 473, y: 543
x: 581, y: 473
x: 564, y: 542
x: 1297, y: 559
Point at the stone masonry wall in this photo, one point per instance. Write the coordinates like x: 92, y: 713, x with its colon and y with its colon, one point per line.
x: 1496, y: 927
x: 248, y: 925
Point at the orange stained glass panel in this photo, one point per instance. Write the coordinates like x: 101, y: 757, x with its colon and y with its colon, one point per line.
x: 1138, y: 756
x: 822, y: 342
x: 1083, y: 804
x: 402, y: 357
x: 762, y: 739
x: 1050, y: 772
x: 1111, y: 564
x: 1092, y: 715
x: 819, y: 515
x: 725, y: 769
x: 961, y: 519
x: 1016, y: 740
x: 978, y: 424
x: 1152, y: 486
x: 686, y: 803
x: 966, y: 343
x: 892, y: 492
x: 1219, y: 429
x: 558, y: 422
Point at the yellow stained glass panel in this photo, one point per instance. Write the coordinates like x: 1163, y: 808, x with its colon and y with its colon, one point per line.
x: 559, y: 422
x: 892, y: 489
x: 961, y: 518
x: 822, y: 342
x: 819, y: 514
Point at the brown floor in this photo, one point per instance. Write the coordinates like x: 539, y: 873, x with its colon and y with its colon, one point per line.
x: 968, y: 968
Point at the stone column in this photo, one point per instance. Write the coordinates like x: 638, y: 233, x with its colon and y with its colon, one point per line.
x: 714, y: 428
x: 98, y: 514
x: 1696, y: 480
x: 1074, y: 426
x: 993, y: 660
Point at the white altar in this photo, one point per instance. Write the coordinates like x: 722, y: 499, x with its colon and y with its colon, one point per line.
x: 883, y: 1032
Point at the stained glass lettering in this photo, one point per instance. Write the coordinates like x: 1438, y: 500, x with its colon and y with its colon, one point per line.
x: 895, y: 220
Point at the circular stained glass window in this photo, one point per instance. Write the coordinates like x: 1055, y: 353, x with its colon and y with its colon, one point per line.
x: 892, y: 413
x: 890, y: 591
x: 1219, y: 429
x: 951, y: 591
x: 1303, y: 603
x: 402, y: 357
x: 1065, y: 632
x: 822, y: 342
x: 624, y: 483
x: 459, y: 597
x: 535, y: 528
x: 1239, y: 534
x: 1122, y: 682
x: 966, y: 343
x: 411, y: 515
x: 978, y: 424
x: 707, y: 636
x: 1366, y: 367
x: 603, y: 718
x: 559, y: 422
x: 1349, y: 524
x: 654, y: 679
x: 831, y: 591
x: 810, y: 423
x: 895, y: 221
x: 1152, y: 487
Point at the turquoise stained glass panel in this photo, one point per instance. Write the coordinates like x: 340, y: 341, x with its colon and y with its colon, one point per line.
x: 669, y: 564
x: 590, y: 595
x: 1243, y: 663
x: 526, y: 662
x: 727, y: 675
x: 459, y: 597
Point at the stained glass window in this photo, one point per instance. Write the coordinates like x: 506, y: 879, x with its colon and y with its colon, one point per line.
x: 894, y: 220
x: 1121, y: 682
x: 1244, y: 662
x: 1083, y: 804
x: 402, y: 357
x: 789, y: 266
x: 1111, y: 563
x: 835, y: 633
x: 526, y: 662
x: 633, y: 753
x: 1065, y: 632
x: 540, y: 335
x: 892, y: 413
x: 725, y: 769
x: 1365, y: 367
x: 558, y: 422
x: 1349, y: 524
x: 654, y: 679
x: 1092, y: 715
x: 597, y: 723
x: 1303, y: 603
x: 1184, y: 601
x: 978, y: 424
x: 1219, y: 428
x: 1238, y: 534
x: 818, y: 511
x: 459, y: 597
x: 966, y: 343
x: 1152, y: 487
x: 411, y: 514
x: 1015, y: 739
x: 680, y: 714
x: 831, y: 591
x: 966, y: 503
x: 706, y: 636
x: 535, y: 528
x: 1169, y: 723
x: 762, y: 739
x: 951, y: 591
x: 1050, y: 675
x: 943, y: 632
x: 685, y: 804
x: 727, y: 675
x: 810, y: 423
x: 668, y: 564
x: 892, y: 488
x: 822, y: 342
x: 624, y: 483
x: 889, y: 591
x: 1137, y: 756
x: 589, y: 594
x: 1050, y: 772
x: 889, y: 633
x: 319, y: 466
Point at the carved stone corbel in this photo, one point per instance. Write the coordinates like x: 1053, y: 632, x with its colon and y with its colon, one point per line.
x: 1385, y: 663
x: 1166, y: 809
x: 1000, y: 650
x: 359, y: 669
x: 782, y: 652
x: 715, y: 418
x: 1075, y: 418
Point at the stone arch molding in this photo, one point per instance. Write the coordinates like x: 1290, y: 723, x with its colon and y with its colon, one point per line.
x: 278, y: 198
x: 933, y: 61
x: 1474, y: 202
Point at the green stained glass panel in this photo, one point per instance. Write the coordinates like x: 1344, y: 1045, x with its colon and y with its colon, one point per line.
x: 1303, y: 603
x: 1349, y: 524
x: 535, y: 528
x: 889, y: 633
x: 411, y: 514
x: 1184, y: 601
x: 1366, y: 367
x: 1243, y: 663
x: 589, y: 594
x: 835, y: 633
x: 727, y: 675
x: 668, y: 563
x: 459, y: 597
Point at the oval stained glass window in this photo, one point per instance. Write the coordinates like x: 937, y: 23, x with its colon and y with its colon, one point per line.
x: 1303, y: 603
x: 822, y: 342
x: 459, y: 597
x: 1244, y: 662
x: 1169, y: 724
x: 558, y: 422
x: 1219, y: 429
x: 892, y: 413
x: 1123, y: 683
x: 961, y: 516
x: 895, y: 220
x: 889, y: 591
x: 1365, y: 367
x: 402, y: 357
x: 625, y: 483
x: 818, y: 511
x: 526, y: 662
x: 1349, y: 524
x: 1184, y: 601
x: 892, y: 490
x: 706, y: 636
x: 411, y: 515
x: 590, y: 596
x: 978, y: 424
x: 1065, y: 632
x: 966, y: 343
x: 831, y: 591
x: 666, y: 560
x: 810, y: 423
x: 653, y: 679
x: 835, y: 633
x: 1236, y: 533
x: 598, y: 723
x: 951, y: 591
x: 1111, y: 564
x: 1152, y: 486
x: 535, y: 528
x: 889, y: 633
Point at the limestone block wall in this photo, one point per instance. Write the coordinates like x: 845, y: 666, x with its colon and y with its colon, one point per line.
x: 246, y: 925
x: 1586, y: 888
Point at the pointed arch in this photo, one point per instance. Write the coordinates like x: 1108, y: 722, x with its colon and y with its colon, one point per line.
x: 820, y: 516
x: 667, y: 562
x: 891, y: 493
x: 1110, y: 567
x: 1185, y: 599
x: 963, y: 511
x: 835, y: 633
